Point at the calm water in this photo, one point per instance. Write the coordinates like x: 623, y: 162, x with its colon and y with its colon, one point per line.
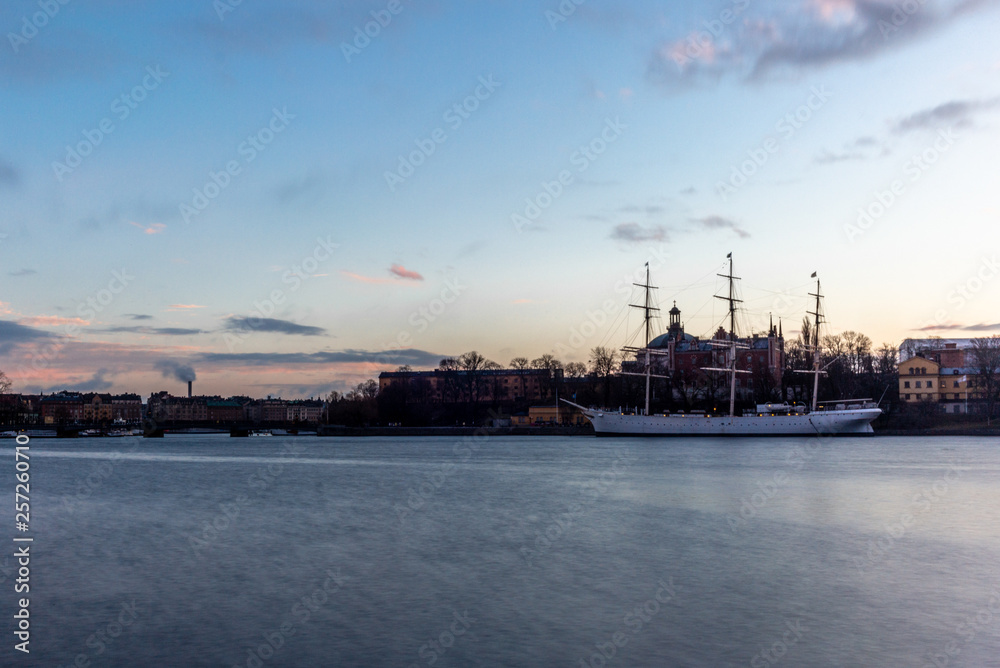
x: 509, y: 552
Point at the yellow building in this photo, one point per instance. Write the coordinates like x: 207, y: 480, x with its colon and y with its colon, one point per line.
x: 539, y: 415
x: 922, y: 379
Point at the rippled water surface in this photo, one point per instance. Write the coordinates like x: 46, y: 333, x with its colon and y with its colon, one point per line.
x: 212, y: 551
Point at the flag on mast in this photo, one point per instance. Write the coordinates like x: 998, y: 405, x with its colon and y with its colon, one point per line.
x: 814, y: 275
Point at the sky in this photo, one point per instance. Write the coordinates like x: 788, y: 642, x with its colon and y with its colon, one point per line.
x: 286, y: 198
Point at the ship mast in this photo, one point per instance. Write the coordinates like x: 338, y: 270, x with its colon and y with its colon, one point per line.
x: 732, y: 334
x: 816, y: 351
x: 647, y: 307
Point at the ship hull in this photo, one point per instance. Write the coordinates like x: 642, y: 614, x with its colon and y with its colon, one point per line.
x: 850, y: 422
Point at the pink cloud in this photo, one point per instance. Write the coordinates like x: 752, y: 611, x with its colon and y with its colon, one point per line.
x: 52, y: 321
x: 403, y: 272
x: 179, y: 307
x: 152, y: 228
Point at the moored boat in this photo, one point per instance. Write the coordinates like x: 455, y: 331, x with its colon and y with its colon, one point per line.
x: 844, y: 417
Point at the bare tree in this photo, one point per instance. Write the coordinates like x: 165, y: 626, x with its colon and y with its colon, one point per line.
x: 4, y: 383
x: 576, y: 369
x: 449, y: 364
x: 546, y: 361
x: 603, y: 363
x: 986, y: 361
x: 519, y: 363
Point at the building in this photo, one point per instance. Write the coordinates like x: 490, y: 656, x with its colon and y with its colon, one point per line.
x: 164, y: 407
x: 305, y: 410
x: 223, y: 410
x: 482, y: 386
x: 680, y: 355
x: 939, y: 371
x: 549, y: 415
x: 62, y: 408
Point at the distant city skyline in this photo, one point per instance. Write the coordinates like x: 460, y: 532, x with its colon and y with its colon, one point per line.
x: 288, y: 198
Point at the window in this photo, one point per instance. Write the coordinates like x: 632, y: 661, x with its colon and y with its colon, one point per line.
x: 944, y: 383
x: 956, y: 383
x: 912, y: 370
x: 906, y: 384
x: 906, y: 397
x: 918, y: 384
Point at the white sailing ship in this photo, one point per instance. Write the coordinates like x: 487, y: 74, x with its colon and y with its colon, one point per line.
x: 844, y: 417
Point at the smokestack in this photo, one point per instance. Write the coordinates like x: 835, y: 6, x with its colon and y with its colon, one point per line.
x: 189, y: 389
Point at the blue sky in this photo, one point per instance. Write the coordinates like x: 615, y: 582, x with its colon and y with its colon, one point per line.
x: 283, y: 207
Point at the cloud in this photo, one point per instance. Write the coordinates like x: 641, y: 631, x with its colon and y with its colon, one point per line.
x: 774, y: 38
x: 182, y: 307
x: 409, y: 356
x: 152, y: 228
x: 12, y: 333
x: 22, y: 272
x: 981, y: 327
x: 635, y: 233
x: 720, y: 223
x: 174, y: 369
x: 52, y: 321
x: 360, y: 278
x: 957, y: 113
x: 139, y: 316
x: 403, y: 272
x: 163, y: 331
x: 241, y: 324
x: 9, y: 176
x: 295, y: 189
x: 95, y: 383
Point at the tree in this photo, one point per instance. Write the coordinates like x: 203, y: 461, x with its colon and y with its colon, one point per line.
x: 986, y: 362
x: 519, y: 363
x: 4, y: 383
x: 406, y: 368
x: 603, y: 363
x: 546, y: 361
x: 449, y: 364
x: 576, y: 369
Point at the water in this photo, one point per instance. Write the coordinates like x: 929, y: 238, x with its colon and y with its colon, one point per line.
x: 510, y: 552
